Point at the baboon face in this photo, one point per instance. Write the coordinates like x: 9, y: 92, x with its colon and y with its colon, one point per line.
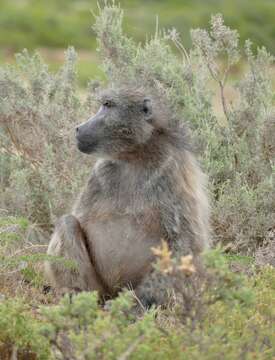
x: 122, y: 125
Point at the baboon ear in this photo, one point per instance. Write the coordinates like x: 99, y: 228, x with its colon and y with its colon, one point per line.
x: 147, y: 109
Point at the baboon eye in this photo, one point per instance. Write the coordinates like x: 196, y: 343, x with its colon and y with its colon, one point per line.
x: 107, y: 104
x: 126, y: 131
x: 147, y: 108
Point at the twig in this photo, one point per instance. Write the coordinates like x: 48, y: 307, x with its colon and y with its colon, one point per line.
x: 19, y: 151
x: 16, y: 253
x: 14, y: 353
x: 224, y: 106
x: 131, y: 348
x: 137, y: 299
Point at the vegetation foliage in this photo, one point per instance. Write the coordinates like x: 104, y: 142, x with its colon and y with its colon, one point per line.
x: 223, y: 313
x: 236, y: 322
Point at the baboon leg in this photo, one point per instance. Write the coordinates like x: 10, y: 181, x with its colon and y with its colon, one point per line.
x: 68, y: 242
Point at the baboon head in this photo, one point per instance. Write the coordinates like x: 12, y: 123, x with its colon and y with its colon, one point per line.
x: 124, y: 123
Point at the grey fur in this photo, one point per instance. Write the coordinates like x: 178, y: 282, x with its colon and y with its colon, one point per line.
x: 145, y: 187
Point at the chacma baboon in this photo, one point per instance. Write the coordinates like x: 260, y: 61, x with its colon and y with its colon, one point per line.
x: 145, y: 187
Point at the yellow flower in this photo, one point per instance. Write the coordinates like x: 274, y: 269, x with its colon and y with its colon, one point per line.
x: 164, y: 254
x: 187, y: 265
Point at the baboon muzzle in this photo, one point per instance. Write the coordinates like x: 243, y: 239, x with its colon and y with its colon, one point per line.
x: 86, y: 135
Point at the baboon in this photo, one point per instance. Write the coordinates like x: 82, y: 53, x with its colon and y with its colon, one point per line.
x: 145, y: 186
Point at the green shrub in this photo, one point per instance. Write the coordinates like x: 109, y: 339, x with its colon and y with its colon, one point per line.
x: 38, y: 158
x: 22, y: 254
x: 237, y: 323
x: 19, y: 331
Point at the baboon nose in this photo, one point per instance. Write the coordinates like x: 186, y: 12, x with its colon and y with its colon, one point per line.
x: 77, y: 132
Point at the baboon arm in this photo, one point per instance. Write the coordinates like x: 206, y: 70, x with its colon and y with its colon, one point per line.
x: 68, y: 241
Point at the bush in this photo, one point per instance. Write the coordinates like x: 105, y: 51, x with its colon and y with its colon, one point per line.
x: 237, y: 323
x: 38, y: 158
x: 22, y: 257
